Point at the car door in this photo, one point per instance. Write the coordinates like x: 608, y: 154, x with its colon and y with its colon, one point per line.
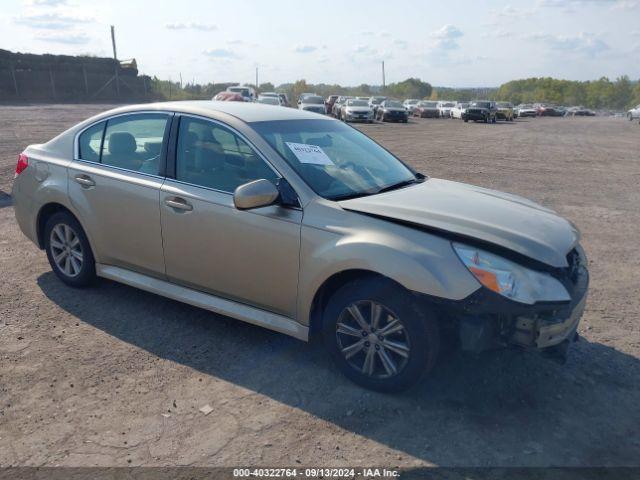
x: 114, y: 185
x: 249, y: 256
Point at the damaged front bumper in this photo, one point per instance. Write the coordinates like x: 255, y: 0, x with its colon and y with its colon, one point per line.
x: 486, y: 320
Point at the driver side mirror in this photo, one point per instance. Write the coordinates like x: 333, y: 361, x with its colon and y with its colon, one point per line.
x: 259, y: 193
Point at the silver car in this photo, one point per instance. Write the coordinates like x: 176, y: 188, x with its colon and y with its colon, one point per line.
x: 301, y: 224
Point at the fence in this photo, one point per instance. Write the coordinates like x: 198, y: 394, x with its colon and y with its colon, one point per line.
x: 60, y: 78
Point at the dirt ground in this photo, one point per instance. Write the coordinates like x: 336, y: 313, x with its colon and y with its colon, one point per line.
x: 113, y: 376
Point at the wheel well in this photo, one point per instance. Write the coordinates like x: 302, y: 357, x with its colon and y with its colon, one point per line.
x: 329, y: 286
x: 44, y: 214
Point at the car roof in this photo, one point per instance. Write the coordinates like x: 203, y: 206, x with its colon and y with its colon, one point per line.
x: 246, y: 111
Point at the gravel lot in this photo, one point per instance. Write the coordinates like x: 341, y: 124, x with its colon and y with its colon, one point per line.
x: 113, y: 376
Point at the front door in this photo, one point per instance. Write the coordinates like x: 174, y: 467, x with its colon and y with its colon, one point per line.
x: 249, y: 256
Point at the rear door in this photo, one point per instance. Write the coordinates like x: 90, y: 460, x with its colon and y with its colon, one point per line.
x: 249, y: 256
x: 114, y: 185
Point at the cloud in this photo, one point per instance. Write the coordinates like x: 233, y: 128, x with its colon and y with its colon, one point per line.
x: 510, y: 13
x: 221, y: 53
x: 586, y: 44
x: 51, y: 20
x: 401, y: 43
x: 625, y: 5
x: 446, y: 38
x: 498, y: 34
x: 305, y: 49
x: 48, y: 3
x: 64, y: 38
x: 204, y: 27
x: 370, y: 53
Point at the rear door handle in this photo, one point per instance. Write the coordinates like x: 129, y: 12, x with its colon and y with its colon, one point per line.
x: 85, y: 180
x: 178, y: 203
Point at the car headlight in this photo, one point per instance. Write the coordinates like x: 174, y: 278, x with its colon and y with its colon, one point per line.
x: 510, y: 279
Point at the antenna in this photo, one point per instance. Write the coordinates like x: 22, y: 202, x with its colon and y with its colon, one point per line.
x: 383, y: 79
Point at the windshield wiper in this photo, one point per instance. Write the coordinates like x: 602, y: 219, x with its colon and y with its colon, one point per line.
x: 399, y: 185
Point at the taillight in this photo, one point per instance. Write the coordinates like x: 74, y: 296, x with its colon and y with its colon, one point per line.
x: 23, y: 162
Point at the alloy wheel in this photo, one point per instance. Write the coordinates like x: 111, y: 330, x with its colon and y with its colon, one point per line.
x: 372, y: 339
x: 66, y: 249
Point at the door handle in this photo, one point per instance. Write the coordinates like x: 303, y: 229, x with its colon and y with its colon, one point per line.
x: 85, y: 180
x: 178, y: 203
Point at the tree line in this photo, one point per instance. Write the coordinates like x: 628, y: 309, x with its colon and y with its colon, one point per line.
x: 603, y: 93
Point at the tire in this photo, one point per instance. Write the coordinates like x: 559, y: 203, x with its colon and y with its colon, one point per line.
x: 63, y: 233
x: 466, y: 120
x: 493, y: 120
x: 415, y: 345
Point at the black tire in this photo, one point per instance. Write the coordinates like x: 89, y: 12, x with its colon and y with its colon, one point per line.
x: 86, y: 273
x: 420, y: 333
x: 466, y: 120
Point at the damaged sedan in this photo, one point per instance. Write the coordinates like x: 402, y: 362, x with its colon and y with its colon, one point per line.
x: 304, y: 225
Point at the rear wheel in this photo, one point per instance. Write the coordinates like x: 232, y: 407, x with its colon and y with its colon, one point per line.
x: 378, y: 337
x: 68, y: 250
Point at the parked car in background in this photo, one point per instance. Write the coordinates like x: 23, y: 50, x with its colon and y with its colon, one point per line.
x: 269, y: 100
x: 329, y: 101
x: 312, y: 103
x: 504, y: 111
x: 545, y: 110
x: 374, y: 102
x: 228, y: 97
x: 526, y: 110
x: 410, y: 104
x: 458, y: 109
x: 391, y: 111
x: 444, y: 107
x: 580, y: 112
x: 337, y: 106
x: 481, y: 111
x: 284, y: 99
x: 248, y: 93
x: 312, y: 229
x: 426, y: 109
x: 356, y: 110
x: 633, y: 113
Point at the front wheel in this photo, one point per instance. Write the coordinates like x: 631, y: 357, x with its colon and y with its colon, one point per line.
x: 377, y: 335
x: 68, y: 250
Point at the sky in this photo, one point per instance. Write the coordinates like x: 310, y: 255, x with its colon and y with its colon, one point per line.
x: 456, y: 43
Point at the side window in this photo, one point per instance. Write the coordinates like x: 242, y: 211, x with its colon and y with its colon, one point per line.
x: 212, y: 156
x: 134, y: 142
x: 89, y: 143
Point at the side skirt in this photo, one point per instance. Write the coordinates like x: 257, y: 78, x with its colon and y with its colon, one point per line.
x: 206, y: 301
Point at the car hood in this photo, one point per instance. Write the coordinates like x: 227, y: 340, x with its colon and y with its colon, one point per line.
x: 358, y: 109
x: 502, y: 219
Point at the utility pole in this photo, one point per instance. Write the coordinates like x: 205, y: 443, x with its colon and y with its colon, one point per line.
x: 383, y: 79
x: 115, y: 59
x: 256, y: 79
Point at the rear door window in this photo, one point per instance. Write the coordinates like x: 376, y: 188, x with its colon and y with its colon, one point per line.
x: 134, y: 142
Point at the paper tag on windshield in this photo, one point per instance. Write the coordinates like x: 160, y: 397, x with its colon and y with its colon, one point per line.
x: 309, y: 154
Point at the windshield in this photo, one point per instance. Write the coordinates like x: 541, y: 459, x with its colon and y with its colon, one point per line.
x: 269, y: 100
x: 376, y: 101
x: 481, y: 104
x: 504, y: 105
x: 412, y: 102
x: 429, y: 104
x: 357, y: 103
x: 313, y: 100
x: 448, y: 104
x: 336, y: 161
x: 393, y: 104
x: 463, y: 105
x: 242, y: 91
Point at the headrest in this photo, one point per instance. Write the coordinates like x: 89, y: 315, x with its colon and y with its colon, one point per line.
x: 122, y: 143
